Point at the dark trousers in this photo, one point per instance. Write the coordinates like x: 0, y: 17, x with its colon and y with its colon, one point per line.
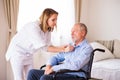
x: 39, y: 75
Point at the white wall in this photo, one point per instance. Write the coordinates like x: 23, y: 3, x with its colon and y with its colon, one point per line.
x: 102, y: 18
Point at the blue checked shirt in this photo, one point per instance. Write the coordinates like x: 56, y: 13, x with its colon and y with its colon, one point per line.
x: 75, y: 60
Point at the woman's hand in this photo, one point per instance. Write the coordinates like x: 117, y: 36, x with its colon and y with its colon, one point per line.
x: 69, y: 48
x: 63, y: 48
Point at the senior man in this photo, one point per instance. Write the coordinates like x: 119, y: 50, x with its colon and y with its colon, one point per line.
x: 74, y: 60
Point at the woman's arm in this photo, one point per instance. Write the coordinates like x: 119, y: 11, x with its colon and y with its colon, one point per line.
x: 52, y: 48
x: 64, y: 48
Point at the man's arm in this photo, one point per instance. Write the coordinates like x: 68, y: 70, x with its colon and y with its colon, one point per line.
x: 54, y: 60
x: 77, y: 63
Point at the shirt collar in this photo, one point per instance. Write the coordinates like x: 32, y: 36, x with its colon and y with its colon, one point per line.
x: 81, y: 43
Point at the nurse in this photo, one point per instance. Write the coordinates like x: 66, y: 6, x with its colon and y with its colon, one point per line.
x: 34, y: 35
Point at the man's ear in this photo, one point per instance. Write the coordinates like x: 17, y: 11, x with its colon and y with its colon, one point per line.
x: 83, y: 33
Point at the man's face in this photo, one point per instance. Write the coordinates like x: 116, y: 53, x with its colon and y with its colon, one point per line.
x: 76, y: 33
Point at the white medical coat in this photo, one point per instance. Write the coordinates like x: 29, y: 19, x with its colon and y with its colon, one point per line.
x: 28, y: 40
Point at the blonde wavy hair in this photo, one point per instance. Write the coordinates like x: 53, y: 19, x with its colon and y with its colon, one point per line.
x: 44, y: 18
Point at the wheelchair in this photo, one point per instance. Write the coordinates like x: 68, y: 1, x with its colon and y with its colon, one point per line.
x: 87, y: 72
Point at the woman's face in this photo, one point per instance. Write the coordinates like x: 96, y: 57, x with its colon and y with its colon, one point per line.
x: 52, y: 20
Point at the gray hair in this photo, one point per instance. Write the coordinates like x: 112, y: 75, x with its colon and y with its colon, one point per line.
x: 83, y: 27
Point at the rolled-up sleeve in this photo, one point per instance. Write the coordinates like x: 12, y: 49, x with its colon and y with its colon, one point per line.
x: 56, y: 59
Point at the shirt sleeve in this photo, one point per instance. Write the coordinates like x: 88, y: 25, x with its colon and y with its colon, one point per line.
x: 77, y: 63
x: 54, y: 60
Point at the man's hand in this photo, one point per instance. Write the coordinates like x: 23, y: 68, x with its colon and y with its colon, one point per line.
x: 48, y: 69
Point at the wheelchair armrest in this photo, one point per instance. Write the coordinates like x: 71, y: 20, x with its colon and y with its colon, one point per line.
x: 64, y: 70
x: 42, y: 66
x: 67, y: 70
x: 45, y: 66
